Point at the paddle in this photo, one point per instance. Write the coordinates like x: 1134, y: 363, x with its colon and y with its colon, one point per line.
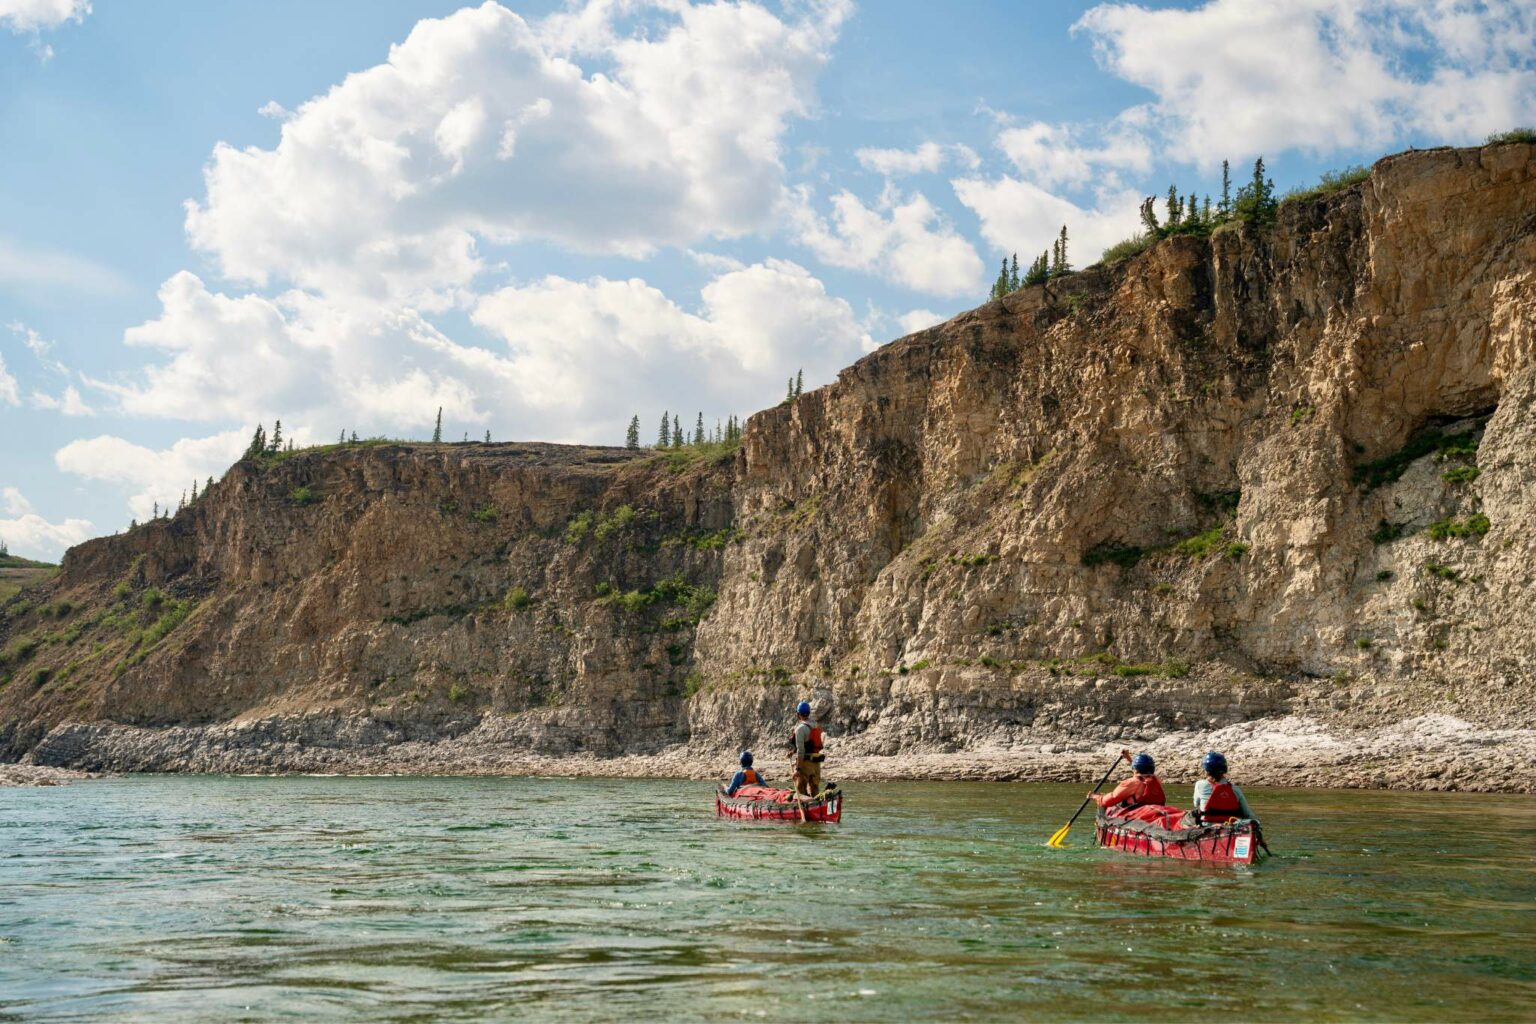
x: 1061, y: 834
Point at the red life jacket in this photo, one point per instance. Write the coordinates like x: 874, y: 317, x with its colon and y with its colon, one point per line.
x: 812, y: 744
x: 1223, y: 805
x: 1151, y: 792
x: 749, y: 777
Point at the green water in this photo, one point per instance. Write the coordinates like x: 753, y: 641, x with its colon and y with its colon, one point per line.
x: 200, y: 899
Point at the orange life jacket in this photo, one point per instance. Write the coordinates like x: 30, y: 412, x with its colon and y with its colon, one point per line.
x: 1223, y: 805
x: 749, y: 777
x: 1151, y: 792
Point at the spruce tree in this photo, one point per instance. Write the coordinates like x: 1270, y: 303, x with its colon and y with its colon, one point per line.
x: 275, y: 445
x: 437, y: 431
x: 1149, y: 218
x: 637, y: 422
x: 1013, y: 274
x: 698, y: 430
x: 1000, y: 283
x: 208, y: 486
x: 1205, y: 215
x: 1039, y: 270
x: 258, y: 444
x: 354, y: 437
x: 631, y: 436
x: 799, y: 383
x: 1256, y: 200
x: 1175, y: 208
x: 1224, y: 208
x: 664, y: 436
x: 677, y: 433
x: 789, y: 390
x: 1192, y: 214
x: 133, y: 524
x: 194, y: 491
x: 156, y: 513
x: 343, y: 438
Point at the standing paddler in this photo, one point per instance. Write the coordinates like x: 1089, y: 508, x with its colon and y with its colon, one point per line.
x: 806, y: 751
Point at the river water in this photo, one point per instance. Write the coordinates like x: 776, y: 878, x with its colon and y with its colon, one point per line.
x: 196, y: 899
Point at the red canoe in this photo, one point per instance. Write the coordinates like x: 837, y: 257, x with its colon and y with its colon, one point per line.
x: 760, y: 803
x: 1158, y: 835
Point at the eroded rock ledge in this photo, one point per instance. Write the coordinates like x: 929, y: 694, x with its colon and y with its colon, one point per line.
x: 1260, y: 479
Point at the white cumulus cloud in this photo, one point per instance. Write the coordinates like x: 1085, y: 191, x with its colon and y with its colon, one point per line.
x: 1233, y: 78
x: 904, y: 239
x: 1019, y: 216
x: 30, y: 535
x: 1053, y: 155
x: 481, y: 125
x: 40, y: 15
x: 151, y: 476
x: 583, y: 350
x: 919, y: 319
x: 567, y: 360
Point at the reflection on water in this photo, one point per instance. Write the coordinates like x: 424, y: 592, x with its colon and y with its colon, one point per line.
x: 196, y: 899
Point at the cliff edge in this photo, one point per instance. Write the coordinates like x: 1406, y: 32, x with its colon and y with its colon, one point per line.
x: 1272, y: 490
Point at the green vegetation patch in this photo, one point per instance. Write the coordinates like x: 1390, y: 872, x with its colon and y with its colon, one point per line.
x: 1390, y: 468
x: 1443, y: 572
x: 156, y: 618
x: 1124, y: 250
x: 707, y: 454
x: 1527, y: 135
x: 516, y: 600
x: 673, y: 592
x: 1329, y: 183
x: 1461, y: 475
x: 579, y: 526
x: 1460, y: 529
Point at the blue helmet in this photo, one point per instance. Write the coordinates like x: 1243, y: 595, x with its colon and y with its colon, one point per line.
x: 1142, y: 764
x: 746, y: 759
x: 1214, y: 764
x: 804, y: 710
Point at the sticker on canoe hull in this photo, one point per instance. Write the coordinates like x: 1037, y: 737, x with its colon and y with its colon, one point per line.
x: 1241, y: 846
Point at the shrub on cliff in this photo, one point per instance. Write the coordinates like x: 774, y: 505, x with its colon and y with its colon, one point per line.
x: 1456, y: 529
x: 1527, y: 135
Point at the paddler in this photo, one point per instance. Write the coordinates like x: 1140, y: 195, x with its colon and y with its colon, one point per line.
x: 806, y: 751
x: 1216, y: 799
x: 747, y: 776
x: 1140, y: 790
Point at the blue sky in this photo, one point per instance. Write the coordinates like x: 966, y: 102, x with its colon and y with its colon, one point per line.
x: 547, y: 216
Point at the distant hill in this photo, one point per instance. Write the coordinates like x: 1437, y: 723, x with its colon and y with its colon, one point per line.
x: 16, y: 572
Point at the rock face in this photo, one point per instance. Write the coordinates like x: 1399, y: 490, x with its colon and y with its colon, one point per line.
x: 1282, y: 476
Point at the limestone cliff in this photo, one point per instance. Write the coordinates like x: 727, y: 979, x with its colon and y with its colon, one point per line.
x: 1283, y: 476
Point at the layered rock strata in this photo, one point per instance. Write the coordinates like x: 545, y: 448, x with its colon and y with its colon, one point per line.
x: 1275, y: 487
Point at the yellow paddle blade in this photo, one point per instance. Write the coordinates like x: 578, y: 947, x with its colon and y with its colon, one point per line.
x: 1060, y: 836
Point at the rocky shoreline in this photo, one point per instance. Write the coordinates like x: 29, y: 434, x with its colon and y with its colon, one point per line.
x: 32, y: 775
x: 1432, y: 752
